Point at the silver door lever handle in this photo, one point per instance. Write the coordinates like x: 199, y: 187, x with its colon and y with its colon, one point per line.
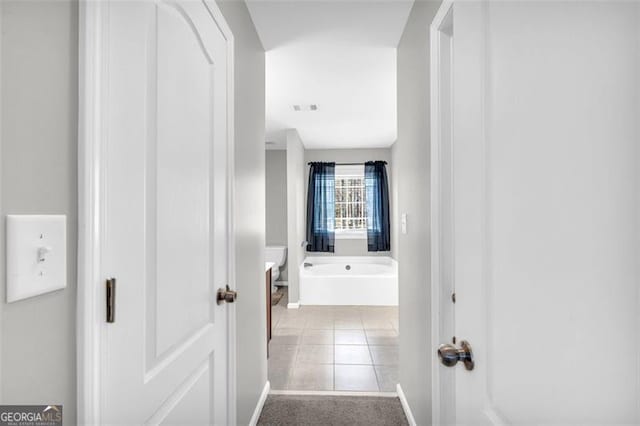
x: 450, y: 355
x: 226, y: 295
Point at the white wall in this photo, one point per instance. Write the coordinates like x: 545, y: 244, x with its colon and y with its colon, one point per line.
x: 296, y: 210
x: 276, y: 187
x: 638, y: 188
x: 39, y: 78
x: 276, y: 193
x: 250, y: 208
x: 411, y: 157
x: 395, y: 216
x: 349, y: 247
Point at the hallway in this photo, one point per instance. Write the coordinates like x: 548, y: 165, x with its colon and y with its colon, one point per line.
x: 341, y: 348
x: 469, y: 169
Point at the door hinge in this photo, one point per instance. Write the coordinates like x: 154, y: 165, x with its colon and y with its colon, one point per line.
x: 111, y: 300
x: 453, y: 297
x: 453, y: 340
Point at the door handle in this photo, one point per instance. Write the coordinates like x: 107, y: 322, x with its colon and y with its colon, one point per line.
x: 111, y: 300
x: 226, y: 295
x: 450, y: 355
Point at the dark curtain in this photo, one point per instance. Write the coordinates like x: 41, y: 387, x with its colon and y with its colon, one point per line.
x: 378, y: 223
x: 321, y: 207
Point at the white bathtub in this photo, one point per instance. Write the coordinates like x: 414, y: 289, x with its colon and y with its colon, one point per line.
x: 341, y: 280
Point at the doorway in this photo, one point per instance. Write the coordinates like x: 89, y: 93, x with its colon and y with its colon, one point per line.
x: 331, y: 335
x: 442, y: 255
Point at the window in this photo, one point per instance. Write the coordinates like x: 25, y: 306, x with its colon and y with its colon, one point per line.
x: 350, y: 202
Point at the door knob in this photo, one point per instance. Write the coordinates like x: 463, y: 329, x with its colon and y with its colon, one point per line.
x: 226, y: 295
x: 450, y: 355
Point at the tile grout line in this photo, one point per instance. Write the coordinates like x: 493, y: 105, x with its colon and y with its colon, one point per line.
x: 295, y: 362
x: 375, y: 370
x: 334, y: 354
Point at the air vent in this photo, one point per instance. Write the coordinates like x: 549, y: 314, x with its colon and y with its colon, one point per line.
x: 311, y: 107
x: 270, y: 143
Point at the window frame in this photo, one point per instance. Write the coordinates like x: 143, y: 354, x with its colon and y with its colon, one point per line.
x: 350, y: 171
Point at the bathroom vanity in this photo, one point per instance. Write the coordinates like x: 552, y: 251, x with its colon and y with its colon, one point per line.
x: 275, y: 258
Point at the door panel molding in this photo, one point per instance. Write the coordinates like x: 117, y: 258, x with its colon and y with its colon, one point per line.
x: 93, y: 20
x: 155, y: 366
x: 160, y: 189
x: 167, y: 406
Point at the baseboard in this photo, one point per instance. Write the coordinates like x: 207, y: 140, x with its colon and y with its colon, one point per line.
x: 293, y: 305
x: 405, y: 406
x: 260, y: 404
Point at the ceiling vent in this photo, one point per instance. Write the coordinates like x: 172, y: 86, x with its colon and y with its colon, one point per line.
x: 311, y: 107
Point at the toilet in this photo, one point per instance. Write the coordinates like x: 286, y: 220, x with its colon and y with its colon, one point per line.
x: 277, y: 255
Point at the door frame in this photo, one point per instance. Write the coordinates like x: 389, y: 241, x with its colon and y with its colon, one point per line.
x: 437, y: 168
x: 93, y: 16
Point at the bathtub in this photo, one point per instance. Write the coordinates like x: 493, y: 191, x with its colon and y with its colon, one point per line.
x: 341, y: 280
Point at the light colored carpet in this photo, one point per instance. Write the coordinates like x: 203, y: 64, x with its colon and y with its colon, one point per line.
x: 285, y: 410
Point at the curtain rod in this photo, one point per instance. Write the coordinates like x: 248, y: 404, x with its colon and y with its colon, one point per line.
x: 342, y: 164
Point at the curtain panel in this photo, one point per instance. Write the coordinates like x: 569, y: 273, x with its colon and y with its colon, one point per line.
x: 377, y: 195
x: 321, y: 208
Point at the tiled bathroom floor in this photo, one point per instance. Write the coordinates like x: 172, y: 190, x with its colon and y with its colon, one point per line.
x: 343, y: 348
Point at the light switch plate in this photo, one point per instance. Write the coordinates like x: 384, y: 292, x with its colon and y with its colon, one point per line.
x: 36, y: 255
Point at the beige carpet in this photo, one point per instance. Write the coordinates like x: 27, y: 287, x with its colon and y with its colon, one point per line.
x: 285, y: 410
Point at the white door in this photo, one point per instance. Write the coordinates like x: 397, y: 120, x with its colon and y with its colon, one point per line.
x: 545, y: 184
x: 165, y: 186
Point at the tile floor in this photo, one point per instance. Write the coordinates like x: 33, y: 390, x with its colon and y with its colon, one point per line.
x: 342, y: 348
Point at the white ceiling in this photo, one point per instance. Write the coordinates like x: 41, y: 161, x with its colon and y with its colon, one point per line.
x: 339, y: 55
